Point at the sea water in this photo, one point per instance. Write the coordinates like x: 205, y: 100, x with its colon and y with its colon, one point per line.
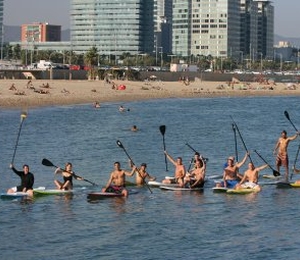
x: 157, y: 225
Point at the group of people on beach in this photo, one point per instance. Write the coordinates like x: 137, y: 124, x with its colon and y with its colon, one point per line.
x: 184, y: 178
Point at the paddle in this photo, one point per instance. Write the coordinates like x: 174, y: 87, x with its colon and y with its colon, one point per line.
x: 162, y: 130
x: 121, y: 146
x: 238, y: 130
x: 295, y: 160
x: 23, y: 116
x: 204, y: 159
x: 275, y: 173
x: 46, y: 162
x: 288, y: 118
x: 235, y: 143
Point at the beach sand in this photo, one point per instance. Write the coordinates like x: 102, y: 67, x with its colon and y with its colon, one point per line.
x: 22, y: 94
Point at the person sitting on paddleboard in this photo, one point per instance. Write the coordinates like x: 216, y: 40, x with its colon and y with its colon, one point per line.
x: 195, y: 179
x: 116, y: 182
x: 180, y: 171
x: 68, y: 175
x: 141, y: 174
x: 27, y: 180
x: 231, y: 175
x: 250, y: 178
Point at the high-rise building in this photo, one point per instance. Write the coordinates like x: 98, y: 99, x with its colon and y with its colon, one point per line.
x: 223, y: 28
x: 1, y: 27
x: 265, y: 28
x: 40, y: 32
x: 112, y: 26
x: 163, y: 25
x: 206, y: 27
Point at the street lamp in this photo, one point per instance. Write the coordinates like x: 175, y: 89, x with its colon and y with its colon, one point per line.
x: 161, y: 57
x: 261, y: 61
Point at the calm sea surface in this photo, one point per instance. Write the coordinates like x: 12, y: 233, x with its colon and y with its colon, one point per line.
x: 161, y: 225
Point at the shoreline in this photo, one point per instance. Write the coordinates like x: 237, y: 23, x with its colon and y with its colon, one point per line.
x: 23, y: 94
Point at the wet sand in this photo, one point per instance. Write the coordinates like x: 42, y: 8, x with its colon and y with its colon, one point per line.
x: 21, y: 94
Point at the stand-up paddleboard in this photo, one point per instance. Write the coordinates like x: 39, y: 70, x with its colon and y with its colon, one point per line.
x: 100, y: 194
x: 241, y: 191
x: 295, y: 185
x: 165, y: 187
x: 219, y: 189
x: 44, y: 191
x: 269, y: 176
x: 15, y: 195
x: 158, y: 184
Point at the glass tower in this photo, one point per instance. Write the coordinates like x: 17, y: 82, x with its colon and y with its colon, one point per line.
x: 112, y: 26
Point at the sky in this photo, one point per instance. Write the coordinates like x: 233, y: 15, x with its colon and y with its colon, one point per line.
x: 17, y: 12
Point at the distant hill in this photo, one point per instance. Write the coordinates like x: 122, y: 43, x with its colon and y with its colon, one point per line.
x: 13, y: 34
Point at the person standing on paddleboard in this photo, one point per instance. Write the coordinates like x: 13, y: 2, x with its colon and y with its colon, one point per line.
x: 281, y: 147
x: 231, y: 175
x: 68, y: 175
x: 27, y: 180
x: 116, y: 182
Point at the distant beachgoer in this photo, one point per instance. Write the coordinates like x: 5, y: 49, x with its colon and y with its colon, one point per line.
x: 134, y: 128
x: 122, y: 109
x: 97, y: 104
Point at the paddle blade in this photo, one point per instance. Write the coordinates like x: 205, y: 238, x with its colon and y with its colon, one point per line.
x: 162, y: 129
x: 47, y: 162
x: 120, y: 144
x: 23, y: 115
x: 276, y: 173
x: 287, y: 115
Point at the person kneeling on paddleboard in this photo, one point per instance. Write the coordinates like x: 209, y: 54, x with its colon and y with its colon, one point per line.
x: 68, y: 175
x: 231, y: 175
x: 250, y: 178
x: 116, y: 182
x: 27, y: 180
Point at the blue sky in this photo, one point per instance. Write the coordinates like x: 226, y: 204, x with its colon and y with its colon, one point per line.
x: 287, y: 18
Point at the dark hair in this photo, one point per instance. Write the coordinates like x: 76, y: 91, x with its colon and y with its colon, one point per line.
x: 26, y: 165
x: 196, y: 153
x: 144, y: 164
x: 284, y: 132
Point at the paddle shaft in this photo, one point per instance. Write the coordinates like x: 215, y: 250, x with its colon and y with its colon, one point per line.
x: 238, y: 130
x: 295, y: 160
x: 17, y: 141
x: 162, y: 130
x: 275, y: 173
x: 235, y: 143
x: 121, y: 145
x: 46, y: 162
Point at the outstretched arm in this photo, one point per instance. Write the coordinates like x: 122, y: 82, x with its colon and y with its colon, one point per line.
x: 170, y: 158
x: 239, y: 164
x: 262, y: 167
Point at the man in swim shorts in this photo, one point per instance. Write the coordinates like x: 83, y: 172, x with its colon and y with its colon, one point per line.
x: 281, y: 147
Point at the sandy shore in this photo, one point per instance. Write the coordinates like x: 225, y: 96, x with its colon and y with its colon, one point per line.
x: 21, y: 94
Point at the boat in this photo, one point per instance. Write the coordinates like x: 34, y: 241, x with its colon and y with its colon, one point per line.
x: 99, y: 194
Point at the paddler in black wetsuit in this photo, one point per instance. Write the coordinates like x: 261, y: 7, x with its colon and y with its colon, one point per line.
x: 27, y: 180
